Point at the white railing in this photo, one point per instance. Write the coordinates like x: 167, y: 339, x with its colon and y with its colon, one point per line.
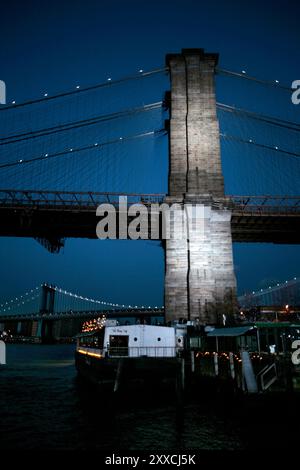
x: 142, y: 351
x: 131, y: 352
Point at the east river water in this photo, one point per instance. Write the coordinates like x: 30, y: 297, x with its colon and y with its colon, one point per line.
x: 43, y: 405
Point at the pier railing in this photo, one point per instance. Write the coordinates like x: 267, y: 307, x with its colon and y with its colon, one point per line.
x: 131, y: 352
x: 142, y: 351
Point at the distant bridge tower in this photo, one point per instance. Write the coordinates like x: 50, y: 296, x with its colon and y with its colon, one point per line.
x: 47, y: 299
x: 45, y: 327
x: 200, y: 280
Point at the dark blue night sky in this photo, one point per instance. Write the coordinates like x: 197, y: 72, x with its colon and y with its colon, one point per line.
x: 51, y: 46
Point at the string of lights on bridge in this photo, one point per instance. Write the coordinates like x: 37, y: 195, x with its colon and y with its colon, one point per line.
x: 109, y: 82
x: 32, y: 295
x: 66, y: 152
x: 80, y: 89
x: 21, y: 300
x: 244, y: 75
x: 274, y: 148
x: 294, y: 126
x: 272, y: 288
x: 154, y: 132
x: 140, y: 74
x: 102, y: 302
x: 12, y: 139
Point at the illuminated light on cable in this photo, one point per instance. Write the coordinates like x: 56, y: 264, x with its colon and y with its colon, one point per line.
x: 141, y: 70
x: 46, y: 154
x: 79, y: 149
x: 251, y: 141
x: 71, y: 150
x: 13, y: 102
x: 109, y: 79
x: 276, y: 148
x: 121, y: 138
x: 244, y: 71
x: 77, y: 87
x: 45, y: 94
x: 20, y: 161
x: 96, y: 143
x: 94, y: 301
x: 276, y: 81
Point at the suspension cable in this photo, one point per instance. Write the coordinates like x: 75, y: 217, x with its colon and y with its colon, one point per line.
x: 97, y: 301
x: 106, y: 84
x: 80, y: 149
x: 78, y: 124
x: 274, y: 84
x: 256, y: 144
x: 260, y: 117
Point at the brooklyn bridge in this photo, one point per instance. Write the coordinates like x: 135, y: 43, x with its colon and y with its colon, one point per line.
x: 242, y: 166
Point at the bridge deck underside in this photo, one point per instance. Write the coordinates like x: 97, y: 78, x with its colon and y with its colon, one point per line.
x: 53, y: 223
x: 265, y: 227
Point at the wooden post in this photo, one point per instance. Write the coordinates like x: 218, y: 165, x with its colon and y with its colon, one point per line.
x: 216, y: 364
x: 193, y: 361
x: 231, y: 364
x: 216, y: 358
x: 258, y: 340
x: 118, y: 375
x: 2, y: 353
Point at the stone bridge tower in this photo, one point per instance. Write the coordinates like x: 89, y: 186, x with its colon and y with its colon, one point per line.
x: 200, y: 280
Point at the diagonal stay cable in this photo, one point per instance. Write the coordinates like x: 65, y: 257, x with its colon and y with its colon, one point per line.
x: 256, y: 144
x: 260, y: 117
x: 78, y: 124
x: 85, y: 89
x: 80, y: 149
